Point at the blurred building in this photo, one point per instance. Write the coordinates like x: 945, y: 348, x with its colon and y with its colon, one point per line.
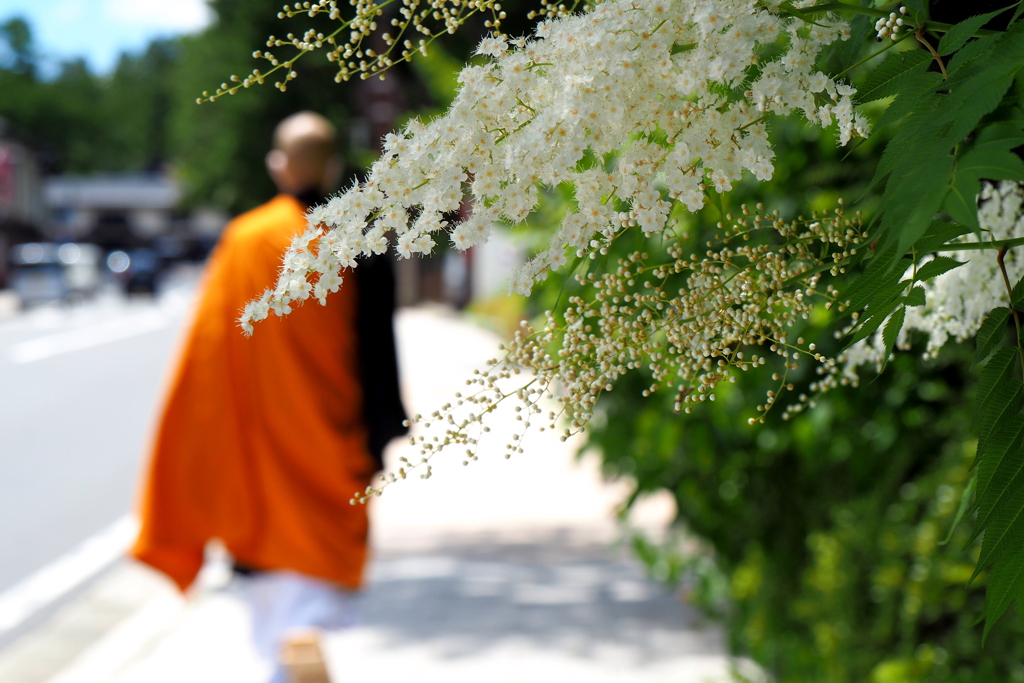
x: 125, y: 211
x: 22, y: 211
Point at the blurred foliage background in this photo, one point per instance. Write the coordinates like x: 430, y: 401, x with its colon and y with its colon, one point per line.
x: 817, y: 541
x: 143, y: 117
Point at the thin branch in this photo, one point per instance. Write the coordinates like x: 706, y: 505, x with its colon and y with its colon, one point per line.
x: 978, y: 246
x: 1009, y: 293
x: 919, y: 34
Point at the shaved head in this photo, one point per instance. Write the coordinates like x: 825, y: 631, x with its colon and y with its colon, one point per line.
x: 304, y: 154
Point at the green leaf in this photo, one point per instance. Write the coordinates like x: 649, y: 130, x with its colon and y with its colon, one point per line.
x: 1017, y: 295
x: 971, y: 51
x: 991, y: 332
x: 878, y: 274
x: 992, y: 163
x: 973, y: 93
x: 915, y: 297
x: 1003, y: 405
x: 918, y: 10
x: 999, y: 468
x: 892, y: 331
x: 886, y: 295
x: 936, y: 267
x: 938, y: 234
x: 1003, y: 134
x: 872, y: 322
x: 682, y: 47
x: 995, y: 417
x: 962, y: 200
x: 1003, y: 529
x: 997, y: 371
x: 908, y: 144
x: 958, y: 35
x: 990, y: 158
x: 965, y: 503
x: 888, y: 77
x: 910, y: 218
x: 1004, y: 583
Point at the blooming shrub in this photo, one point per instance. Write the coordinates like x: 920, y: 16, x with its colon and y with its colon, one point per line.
x: 648, y: 109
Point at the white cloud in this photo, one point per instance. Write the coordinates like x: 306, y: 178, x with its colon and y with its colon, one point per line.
x: 171, y: 16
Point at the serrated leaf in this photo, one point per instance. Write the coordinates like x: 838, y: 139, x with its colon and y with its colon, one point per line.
x: 910, y: 219
x: 965, y: 503
x: 1005, y: 523
x: 998, y: 369
x: 962, y: 200
x: 936, y: 267
x: 992, y: 163
x: 1003, y: 405
x: 999, y: 468
x: 1017, y: 295
x: 970, y: 51
x: 886, y: 295
x: 891, y: 331
x: 915, y: 108
x: 870, y: 323
x: 877, y: 274
x: 958, y: 35
x: 976, y: 88
x: 887, y: 78
x: 915, y: 297
x: 908, y: 146
x: 1003, y: 134
x: 938, y: 234
x: 1004, y: 583
x: 991, y: 332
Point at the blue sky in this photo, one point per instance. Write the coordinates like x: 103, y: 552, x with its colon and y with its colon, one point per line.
x: 100, y: 30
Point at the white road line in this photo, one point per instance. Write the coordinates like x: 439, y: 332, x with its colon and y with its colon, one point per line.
x: 56, y: 579
x: 101, y: 662
x: 87, y: 337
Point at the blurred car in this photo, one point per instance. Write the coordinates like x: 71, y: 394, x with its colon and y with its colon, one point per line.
x: 43, y: 272
x: 81, y: 268
x: 37, y: 275
x: 136, y: 269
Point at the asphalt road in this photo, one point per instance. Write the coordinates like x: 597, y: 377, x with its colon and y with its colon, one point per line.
x: 78, y: 390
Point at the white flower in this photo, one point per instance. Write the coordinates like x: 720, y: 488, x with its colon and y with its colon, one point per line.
x: 492, y: 47
x: 280, y: 306
x: 547, y: 111
x: 299, y: 288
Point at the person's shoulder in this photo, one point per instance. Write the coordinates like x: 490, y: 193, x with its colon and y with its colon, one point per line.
x: 278, y: 219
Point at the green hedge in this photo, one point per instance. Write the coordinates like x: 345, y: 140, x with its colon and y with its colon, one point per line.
x: 828, y: 527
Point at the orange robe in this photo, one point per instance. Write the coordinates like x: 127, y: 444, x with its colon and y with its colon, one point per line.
x: 261, y: 443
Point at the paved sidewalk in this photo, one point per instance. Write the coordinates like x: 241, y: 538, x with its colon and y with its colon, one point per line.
x: 505, y: 570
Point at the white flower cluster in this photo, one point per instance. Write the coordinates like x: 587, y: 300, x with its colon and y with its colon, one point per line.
x: 693, y: 321
x: 891, y: 26
x: 958, y: 301
x: 635, y: 104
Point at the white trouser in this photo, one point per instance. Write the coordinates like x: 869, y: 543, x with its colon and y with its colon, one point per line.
x: 283, y: 602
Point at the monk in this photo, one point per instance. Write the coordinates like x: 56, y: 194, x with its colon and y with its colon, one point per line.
x: 263, y: 440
